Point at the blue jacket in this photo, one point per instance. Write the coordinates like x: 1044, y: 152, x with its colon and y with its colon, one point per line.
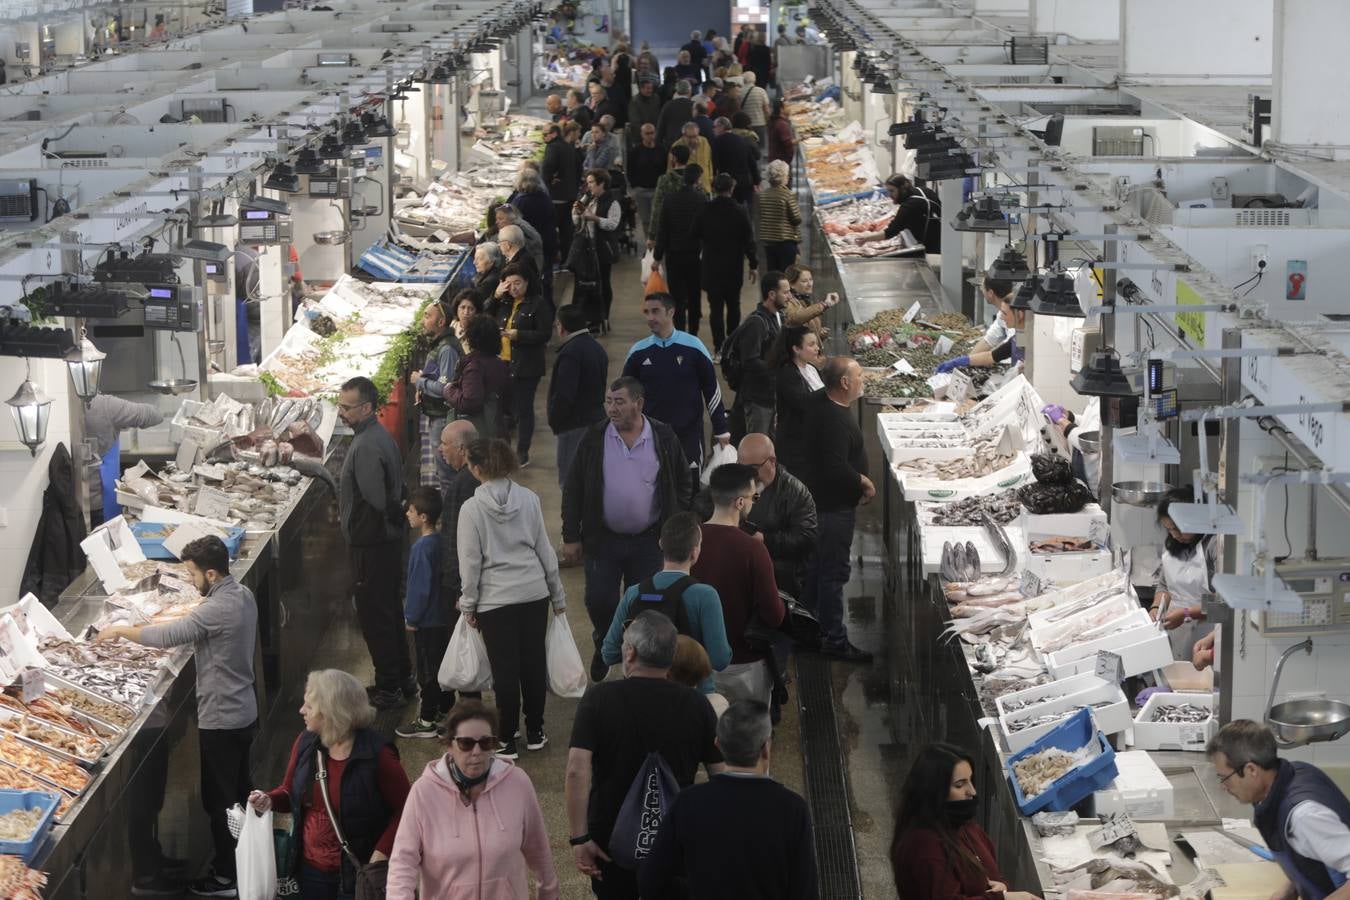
x: 576, y: 392
x: 422, y: 607
x: 704, y: 609
x: 680, y: 381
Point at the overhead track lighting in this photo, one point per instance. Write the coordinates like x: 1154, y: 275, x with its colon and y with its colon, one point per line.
x: 1011, y: 265
x: 981, y: 214
x: 1103, y: 377
x: 283, y: 178
x: 1057, y: 295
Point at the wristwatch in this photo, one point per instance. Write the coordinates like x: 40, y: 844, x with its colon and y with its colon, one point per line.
x: 580, y: 839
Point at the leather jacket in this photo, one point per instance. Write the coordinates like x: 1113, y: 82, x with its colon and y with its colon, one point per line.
x: 786, y: 515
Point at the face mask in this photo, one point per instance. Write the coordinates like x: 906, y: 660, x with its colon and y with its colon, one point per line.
x: 464, y: 782
x: 959, y: 812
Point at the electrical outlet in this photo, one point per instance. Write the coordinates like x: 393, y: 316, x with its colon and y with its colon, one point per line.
x: 1260, y: 258
x: 1219, y: 190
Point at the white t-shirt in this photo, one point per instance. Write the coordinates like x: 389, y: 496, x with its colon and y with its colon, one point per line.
x: 811, y: 376
x: 998, y: 333
x: 1318, y: 833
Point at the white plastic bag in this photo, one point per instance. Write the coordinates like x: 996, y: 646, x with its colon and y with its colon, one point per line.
x: 648, y: 263
x: 465, y: 666
x: 720, y: 456
x: 255, y: 858
x: 566, y: 674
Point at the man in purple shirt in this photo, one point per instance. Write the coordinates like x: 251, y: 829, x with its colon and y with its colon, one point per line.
x: 629, y: 475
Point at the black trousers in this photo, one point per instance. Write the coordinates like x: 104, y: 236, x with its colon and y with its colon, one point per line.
x: 375, y: 570
x: 606, y: 288
x: 225, y: 782
x: 523, y: 391
x: 429, y: 643
x: 724, y: 311
x: 778, y: 255
x: 514, y: 636
x: 562, y: 214
x: 683, y: 277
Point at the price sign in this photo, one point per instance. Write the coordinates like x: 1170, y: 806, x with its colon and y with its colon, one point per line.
x: 1110, y: 667
x: 187, y: 456
x: 1031, y: 584
x: 1116, y: 827
x: 959, y: 388
x: 913, y: 312
x: 212, y: 504
x: 943, y: 346
x: 34, y: 685
x: 902, y: 367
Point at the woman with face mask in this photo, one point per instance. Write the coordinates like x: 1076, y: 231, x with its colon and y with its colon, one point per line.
x: 939, y: 852
x: 1183, y: 577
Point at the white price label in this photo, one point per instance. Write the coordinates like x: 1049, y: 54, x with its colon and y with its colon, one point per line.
x: 1031, y: 584
x: 943, y: 346
x: 34, y: 685
x: 186, y: 459
x: 902, y: 367
x: 913, y: 312
x: 1117, y: 827
x: 1192, y: 735
x: 212, y: 504
x: 1110, y: 666
x: 959, y: 388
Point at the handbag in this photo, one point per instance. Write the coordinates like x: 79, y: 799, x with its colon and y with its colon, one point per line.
x: 371, y: 878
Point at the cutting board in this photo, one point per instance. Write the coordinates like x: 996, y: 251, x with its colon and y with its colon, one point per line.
x: 1249, y: 881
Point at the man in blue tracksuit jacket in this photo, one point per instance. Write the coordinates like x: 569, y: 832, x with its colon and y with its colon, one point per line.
x: 677, y: 374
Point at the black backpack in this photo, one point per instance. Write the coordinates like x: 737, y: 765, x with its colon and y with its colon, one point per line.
x: 733, y: 367
x: 668, y: 600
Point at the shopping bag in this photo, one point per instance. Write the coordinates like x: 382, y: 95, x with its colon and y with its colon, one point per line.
x: 721, y: 455
x: 648, y: 800
x: 465, y: 666
x: 656, y: 284
x: 255, y: 858
x: 648, y: 266
x: 566, y: 674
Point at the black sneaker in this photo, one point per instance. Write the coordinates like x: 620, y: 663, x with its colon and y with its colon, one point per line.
x: 157, y: 885
x: 846, y: 652
x: 417, y: 728
x: 508, y: 749
x: 599, y: 668
x: 213, y: 885
x: 385, y: 700
x: 536, y: 740
x: 524, y: 459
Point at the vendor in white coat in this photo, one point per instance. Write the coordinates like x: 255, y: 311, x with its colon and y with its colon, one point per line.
x: 998, y: 343
x: 1183, y: 577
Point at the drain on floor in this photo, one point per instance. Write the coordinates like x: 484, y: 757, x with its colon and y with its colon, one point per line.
x: 826, y: 783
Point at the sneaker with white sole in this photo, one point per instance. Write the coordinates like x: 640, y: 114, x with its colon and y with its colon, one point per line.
x: 417, y: 728
x: 213, y: 885
x: 536, y: 740
x: 508, y: 750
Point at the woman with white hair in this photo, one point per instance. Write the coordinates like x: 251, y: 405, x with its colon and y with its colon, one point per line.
x: 341, y: 770
x: 779, y: 219
x: 487, y: 261
x: 755, y: 104
x: 535, y: 205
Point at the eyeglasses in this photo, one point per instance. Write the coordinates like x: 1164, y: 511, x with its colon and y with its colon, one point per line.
x: 486, y: 744
x: 1223, y: 778
x: 348, y: 407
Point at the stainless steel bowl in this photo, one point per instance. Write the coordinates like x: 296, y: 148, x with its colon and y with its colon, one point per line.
x: 1090, y: 441
x: 173, y: 386
x: 1139, y: 493
x: 1309, y: 721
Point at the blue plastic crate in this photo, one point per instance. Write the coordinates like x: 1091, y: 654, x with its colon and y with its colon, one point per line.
x: 16, y: 800
x: 1076, y: 732
x: 153, y: 547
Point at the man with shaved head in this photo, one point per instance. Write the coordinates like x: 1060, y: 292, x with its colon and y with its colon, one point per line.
x: 454, y: 448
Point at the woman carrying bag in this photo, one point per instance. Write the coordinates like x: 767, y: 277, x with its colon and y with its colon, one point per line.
x: 473, y: 825
x: 341, y: 836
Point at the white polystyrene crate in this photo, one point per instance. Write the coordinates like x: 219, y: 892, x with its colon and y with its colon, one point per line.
x: 917, y: 487
x: 1065, y: 697
x: 1061, y: 599
x: 1140, y: 790
x: 1118, y: 608
x: 1089, y: 522
x: 1141, y: 649
x: 1149, y: 735
x: 1061, y: 569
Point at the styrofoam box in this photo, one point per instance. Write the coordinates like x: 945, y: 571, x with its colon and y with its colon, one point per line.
x: 1119, y: 607
x: 1141, y: 649
x: 916, y: 487
x: 1066, y: 696
x: 1171, y: 735
x: 933, y: 536
x: 1058, y: 598
x: 1069, y: 568
x: 1140, y: 790
x: 1089, y: 522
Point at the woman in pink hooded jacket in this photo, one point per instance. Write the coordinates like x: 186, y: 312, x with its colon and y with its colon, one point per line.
x: 472, y: 823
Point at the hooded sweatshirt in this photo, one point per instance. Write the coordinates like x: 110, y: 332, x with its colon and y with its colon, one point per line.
x: 505, y: 555
x: 451, y: 851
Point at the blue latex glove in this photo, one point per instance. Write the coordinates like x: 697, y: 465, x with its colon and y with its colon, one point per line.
x: 953, y: 363
x: 1053, y: 411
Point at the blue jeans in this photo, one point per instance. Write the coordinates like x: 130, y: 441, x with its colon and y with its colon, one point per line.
x: 317, y: 885
x: 626, y: 558
x: 567, y: 444
x: 828, y: 573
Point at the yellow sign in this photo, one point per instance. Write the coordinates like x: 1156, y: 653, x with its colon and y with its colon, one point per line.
x: 1191, y: 324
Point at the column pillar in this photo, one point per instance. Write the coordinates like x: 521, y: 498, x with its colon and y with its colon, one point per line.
x: 1196, y: 42
x: 1309, y: 34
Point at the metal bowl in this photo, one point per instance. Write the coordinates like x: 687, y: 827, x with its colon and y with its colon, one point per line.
x: 1090, y: 441
x: 173, y: 386
x: 1309, y: 721
x: 1139, y: 493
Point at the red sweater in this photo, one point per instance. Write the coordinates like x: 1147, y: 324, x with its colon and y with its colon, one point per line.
x: 923, y: 871
x: 740, y: 569
x: 320, y: 843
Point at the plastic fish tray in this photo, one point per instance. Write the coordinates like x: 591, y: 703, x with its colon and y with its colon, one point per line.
x: 1076, y: 784
x: 10, y: 801
x: 153, y: 547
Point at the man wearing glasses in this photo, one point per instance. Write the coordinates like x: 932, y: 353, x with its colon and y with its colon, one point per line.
x: 1302, y: 815
x: 370, y: 506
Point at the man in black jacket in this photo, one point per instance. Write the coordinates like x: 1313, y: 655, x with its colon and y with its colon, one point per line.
x: 734, y: 155
x: 757, y: 393
x: 629, y: 474
x: 577, y: 111
x: 644, y: 109
x: 646, y: 165
x: 678, y: 245
x: 727, y: 240
x: 680, y: 109
x: 576, y: 392
x: 561, y: 177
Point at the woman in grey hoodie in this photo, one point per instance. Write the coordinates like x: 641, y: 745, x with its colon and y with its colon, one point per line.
x: 510, y: 578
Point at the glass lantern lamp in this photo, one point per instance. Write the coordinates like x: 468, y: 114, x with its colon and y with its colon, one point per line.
x: 31, y: 409
x: 86, y: 369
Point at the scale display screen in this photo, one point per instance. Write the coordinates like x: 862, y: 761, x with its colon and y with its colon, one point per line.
x: 170, y: 309
x: 255, y: 215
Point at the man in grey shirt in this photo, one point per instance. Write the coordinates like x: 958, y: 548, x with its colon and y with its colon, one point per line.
x: 103, y: 420
x: 223, y: 631
x: 370, y: 504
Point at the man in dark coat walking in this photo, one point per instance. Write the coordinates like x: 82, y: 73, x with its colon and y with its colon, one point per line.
x: 724, y: 232
x: 560, y: 176
x: 733, y: 155
x: 576, y: 392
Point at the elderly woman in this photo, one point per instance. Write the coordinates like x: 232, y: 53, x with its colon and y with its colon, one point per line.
x: 487, y: 261
x: 779, y: 219
x: 510, y: 580
x: 339, y: 754
x: 532, y: 200
x: 601, y: 154
x: 445, y: 848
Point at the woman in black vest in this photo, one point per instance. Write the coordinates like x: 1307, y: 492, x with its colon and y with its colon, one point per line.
x: 526, y: 320
x: 598, y: 213
x: 366, y: 784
